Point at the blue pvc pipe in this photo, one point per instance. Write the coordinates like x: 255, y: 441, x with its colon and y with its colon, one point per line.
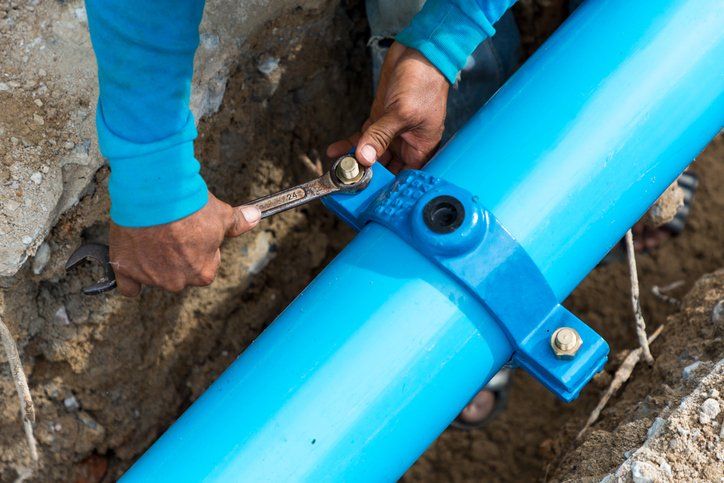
x: 379, y: 353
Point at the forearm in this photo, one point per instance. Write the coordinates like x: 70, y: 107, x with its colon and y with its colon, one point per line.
x: 446, y: 32
x: 145, y: 52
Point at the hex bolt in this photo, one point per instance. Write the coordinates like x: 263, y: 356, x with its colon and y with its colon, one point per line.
x: 565, y: 342
x: 348, y: 169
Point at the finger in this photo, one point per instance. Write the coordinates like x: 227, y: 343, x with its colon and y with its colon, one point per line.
x: 245, y: 218
x: 127, y: 286
x: 339, y: 148
x: 375, y: 139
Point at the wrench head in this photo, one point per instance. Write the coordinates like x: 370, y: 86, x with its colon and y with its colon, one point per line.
x: 358, y: 184
x: 98, y: 253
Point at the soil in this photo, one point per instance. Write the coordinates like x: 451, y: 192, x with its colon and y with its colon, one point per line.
x: 96, y: 365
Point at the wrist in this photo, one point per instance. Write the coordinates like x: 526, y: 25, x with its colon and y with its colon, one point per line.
x: 447, y: 34
x: 152, y: 183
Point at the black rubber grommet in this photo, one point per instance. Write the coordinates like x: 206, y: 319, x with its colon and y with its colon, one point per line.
x: 443, y: 214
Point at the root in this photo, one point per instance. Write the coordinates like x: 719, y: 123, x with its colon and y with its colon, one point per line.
x: 27, y: 409
x: 623, y: 373
x: 635, y: 302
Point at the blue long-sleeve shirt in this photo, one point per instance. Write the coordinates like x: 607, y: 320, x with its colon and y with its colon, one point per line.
x: 145, y: 51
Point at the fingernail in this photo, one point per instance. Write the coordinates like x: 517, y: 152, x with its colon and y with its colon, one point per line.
x: 368, y: 153
x: 251, y: 214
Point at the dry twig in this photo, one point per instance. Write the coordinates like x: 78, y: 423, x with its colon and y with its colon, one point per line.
x: 635, y: 302
x: 660, y: 292
x: 619, y: 378
x: 315, y: 167
x: 27, y: 410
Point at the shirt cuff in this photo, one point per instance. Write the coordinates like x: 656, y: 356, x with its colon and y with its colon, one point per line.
x: 447, y: 35
x: 152, y: 183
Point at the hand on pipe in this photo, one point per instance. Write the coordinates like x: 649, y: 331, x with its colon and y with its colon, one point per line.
x: 179, y: 254
x: 407, y: 117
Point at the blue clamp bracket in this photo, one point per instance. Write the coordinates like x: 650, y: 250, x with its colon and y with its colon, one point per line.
x: 448, y: 225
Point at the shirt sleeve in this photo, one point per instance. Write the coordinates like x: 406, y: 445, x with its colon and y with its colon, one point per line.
x: 145, y: 51
x: 446, y: 32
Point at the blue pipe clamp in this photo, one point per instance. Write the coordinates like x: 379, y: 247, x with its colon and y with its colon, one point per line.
x: 448, y: 225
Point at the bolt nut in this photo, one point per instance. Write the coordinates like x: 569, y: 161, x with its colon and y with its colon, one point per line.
x: 566, y: 342
x: 348, y: 170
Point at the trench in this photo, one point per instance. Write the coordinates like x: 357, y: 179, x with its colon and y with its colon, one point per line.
x: 108, y: 382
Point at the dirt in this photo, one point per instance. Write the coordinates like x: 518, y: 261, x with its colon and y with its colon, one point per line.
x: 108, y: 375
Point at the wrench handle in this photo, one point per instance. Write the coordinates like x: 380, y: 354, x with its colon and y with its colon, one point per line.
x: 295, y: 196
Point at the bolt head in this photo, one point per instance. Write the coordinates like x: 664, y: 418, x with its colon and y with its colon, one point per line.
x: 566, y: 342
x: 348, y: 169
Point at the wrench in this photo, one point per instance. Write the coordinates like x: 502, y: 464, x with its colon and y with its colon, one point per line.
x: 345, y: 176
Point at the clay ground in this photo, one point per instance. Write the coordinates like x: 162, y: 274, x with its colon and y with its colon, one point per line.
x: 109, y: 375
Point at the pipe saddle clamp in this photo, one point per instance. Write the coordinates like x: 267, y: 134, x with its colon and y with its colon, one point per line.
x: 446, y: 224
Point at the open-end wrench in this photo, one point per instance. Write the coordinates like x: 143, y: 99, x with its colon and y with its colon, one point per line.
x: 345, y: 176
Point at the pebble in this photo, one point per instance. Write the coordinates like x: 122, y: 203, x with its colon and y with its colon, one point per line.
x: 38, y: 102
x: 709, y: 410
x: 71, y: 403
x: 68, y: 145
x: 61, y: 316
x: 42, y: 73
x: 690, y: 369
x: 36, y: 177
x: 4, y: 87
x: 11, y: 205
x: 40, y: 260
x: 27, y: 240
x: 268, y: 66
x: 643, y: 472
x: 717, y: 313
x: 44, y: 169
x: 14, y: 141
x: 38, y: 119
x: 713, y: 393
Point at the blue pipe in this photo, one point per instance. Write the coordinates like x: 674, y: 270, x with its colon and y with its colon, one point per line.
x: 380, y: 352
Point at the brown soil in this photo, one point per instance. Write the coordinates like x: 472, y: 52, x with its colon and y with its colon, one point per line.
x: 108, y: 375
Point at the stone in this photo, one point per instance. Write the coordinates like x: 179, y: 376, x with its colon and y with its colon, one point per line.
x: 71, y: 403
x: 40, y: 260
x: 36, y: 177
x: 690, y: 369
x: 61, y: 316
x: 709, y: 410
x: 643, y: 472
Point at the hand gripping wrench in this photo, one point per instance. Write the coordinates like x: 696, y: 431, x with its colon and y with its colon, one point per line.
x: 345, y: 176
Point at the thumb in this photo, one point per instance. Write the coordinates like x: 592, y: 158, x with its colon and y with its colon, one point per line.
x: 244, y: 219
x: 377, y: 137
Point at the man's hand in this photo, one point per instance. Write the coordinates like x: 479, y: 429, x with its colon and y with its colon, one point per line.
x: 408, y: 114
x: 176, y: 255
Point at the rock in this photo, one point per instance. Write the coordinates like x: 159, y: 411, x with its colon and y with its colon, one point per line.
x: 41, y: 258
x: 36, y: 177
x: 71, y: 403
x: 709, y: 410
x: 4, y: 87
x: 643, y: 472
x: 690, y: 369
x: 665, y: 208
x: 38, y: 119
x: 717, y: 313
x: 61, y: 316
